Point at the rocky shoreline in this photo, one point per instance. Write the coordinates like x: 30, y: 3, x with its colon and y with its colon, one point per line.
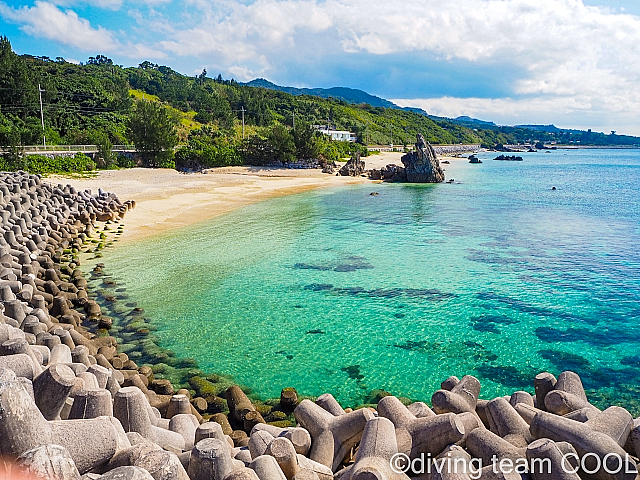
x: 420, y: 166
x: 75, y: 402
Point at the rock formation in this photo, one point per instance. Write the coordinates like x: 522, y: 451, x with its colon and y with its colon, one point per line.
x: 422, y: 166
x: 354, y: 167
x: 390, y: 173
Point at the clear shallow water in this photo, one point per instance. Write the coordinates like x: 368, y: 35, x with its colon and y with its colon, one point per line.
x: 337, y: 290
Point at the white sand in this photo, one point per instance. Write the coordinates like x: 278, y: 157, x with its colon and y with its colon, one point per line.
x: 166, y: 199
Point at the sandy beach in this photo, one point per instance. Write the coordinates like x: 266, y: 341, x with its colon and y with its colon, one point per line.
x: 166, y: 199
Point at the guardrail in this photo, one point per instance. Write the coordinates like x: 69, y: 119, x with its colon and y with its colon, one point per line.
x: 74, y: 148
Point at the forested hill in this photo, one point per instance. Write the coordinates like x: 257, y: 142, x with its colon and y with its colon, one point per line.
x: 349, y: 95
x: 96, y: 99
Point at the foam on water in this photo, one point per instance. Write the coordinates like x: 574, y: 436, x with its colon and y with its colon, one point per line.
x: 336, y: 290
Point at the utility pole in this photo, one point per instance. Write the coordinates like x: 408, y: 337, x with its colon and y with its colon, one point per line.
x: 44, y: 137
x: 243, y: 122
x: 391, y: 135
x: 294, y: 119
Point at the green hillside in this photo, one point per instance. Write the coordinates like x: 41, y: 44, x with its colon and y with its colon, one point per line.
x: 93, y: 103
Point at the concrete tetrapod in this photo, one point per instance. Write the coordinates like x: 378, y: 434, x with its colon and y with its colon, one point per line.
x: 239, y: 403
x: 484, y: 444
x: 209, y: 430
x: 333, y: 436
x: 131, y: 407
x: 162, y: 465
x: 21, y: 364
x: 521, y: 397
x: 259, y: 443
x: 505, y: 421
x: 127, y: 473
x: 309, y: 468
x: 285, y: 455
x: 266, y: 467
x: 210, y: 460
x: 298, y: 436
x: 421, y: 409
x: 548, y: 462
x: 567, y: 395
x: 594, y: 447
x: 526, y: 412
x: 330, y: 404
x: 615, y: 422
x: 179, y: 404
x: 185, y: 424
x: 242, y: 474
x: 463, y: 397
x: 52, y: 462
x: 373, y: 460
x: 420, y: 435
x: 90, y: 443
x: 634, y: 437
x: 91, y: 404
x: 453, y: 463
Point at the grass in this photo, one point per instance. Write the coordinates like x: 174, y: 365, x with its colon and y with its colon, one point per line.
x: 187, y: 123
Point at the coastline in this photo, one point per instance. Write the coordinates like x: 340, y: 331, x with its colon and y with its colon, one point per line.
x: 170, y: 423
x: 166, y: 199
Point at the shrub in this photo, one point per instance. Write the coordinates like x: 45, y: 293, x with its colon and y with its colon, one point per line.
x: 40, y: 164
x: 123, y: 161
x: 207, y: 149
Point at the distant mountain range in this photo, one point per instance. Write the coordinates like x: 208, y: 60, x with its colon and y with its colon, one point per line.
x: 355, y: 96
x: 349, y: 95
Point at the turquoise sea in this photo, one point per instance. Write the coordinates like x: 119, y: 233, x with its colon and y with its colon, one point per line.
x: 496, y: 275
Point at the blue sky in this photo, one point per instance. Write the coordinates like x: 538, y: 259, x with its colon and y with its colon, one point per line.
x: 574, y: 63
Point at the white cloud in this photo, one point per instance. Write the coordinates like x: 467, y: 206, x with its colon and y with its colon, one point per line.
x: 46, y: 20
x: 105, y: 4
x: 567, y: 47
x: 588, y: 56
x: 582, y: 58
x: 566, y: 112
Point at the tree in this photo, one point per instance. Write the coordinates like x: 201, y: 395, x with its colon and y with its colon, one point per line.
x: 257, y: 151
x: 202, y: 77
x: 206, y: 149
x: 10, y: 143
x: 152, y: 127
x: 17, y: 91
x: 99, y: 60
x: 281, y: 140
x: 105, y: 157
x: 306, y: 141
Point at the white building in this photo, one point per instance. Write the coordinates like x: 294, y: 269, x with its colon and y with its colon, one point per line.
x: 340, y: 135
